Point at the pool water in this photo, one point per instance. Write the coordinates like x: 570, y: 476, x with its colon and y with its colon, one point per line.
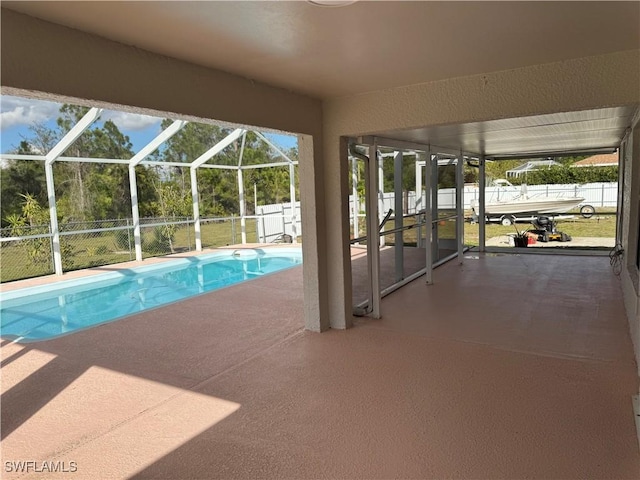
x: 45, y: 312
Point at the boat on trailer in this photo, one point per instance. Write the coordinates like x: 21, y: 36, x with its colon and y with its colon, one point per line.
x: 516, y: 204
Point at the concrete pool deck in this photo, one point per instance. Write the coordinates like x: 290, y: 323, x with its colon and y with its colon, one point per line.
x: 506, y: 367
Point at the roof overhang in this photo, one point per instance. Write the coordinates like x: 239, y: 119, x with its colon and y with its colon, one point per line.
x: 586, y: 132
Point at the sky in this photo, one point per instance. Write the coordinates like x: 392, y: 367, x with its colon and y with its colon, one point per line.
x: 17, y: 114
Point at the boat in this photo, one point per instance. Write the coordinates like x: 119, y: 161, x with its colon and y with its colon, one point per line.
x: 521, y: 204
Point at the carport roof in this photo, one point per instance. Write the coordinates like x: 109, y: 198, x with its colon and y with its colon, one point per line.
x: 590, y: 131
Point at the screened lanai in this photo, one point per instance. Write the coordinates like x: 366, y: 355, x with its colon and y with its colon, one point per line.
x: 418, y: 232
x: 216, y: 198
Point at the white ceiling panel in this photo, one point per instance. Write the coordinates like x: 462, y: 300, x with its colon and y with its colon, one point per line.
x: 572, y: 131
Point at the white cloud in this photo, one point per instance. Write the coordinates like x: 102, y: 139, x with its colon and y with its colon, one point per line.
x: 130, y: 121
x: 16, y: 111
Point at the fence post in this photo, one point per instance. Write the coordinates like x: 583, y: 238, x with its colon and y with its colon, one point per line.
x: 284, y: 221
x: 233, y: 229
x: 189, y: 233
x: 129, y: 239
x: 602, y: 197
x: 51, y: 258
x: 292, y: 199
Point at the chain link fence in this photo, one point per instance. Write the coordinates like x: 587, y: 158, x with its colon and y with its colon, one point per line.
x: 27, y: 251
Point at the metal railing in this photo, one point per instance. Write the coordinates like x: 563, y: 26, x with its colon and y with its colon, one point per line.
x: 420, y: 221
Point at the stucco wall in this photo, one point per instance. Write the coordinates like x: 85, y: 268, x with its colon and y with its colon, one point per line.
x: 50, y: 61
x: 45, y: 57
x: 580, y: 84
x: 630, y: 217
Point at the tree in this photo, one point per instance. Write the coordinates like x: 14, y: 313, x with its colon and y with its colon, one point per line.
x: 30, y: 221
x: 568, y: 174
x: 19, y: 178
x: 92, y: 191
x: 84, y: 191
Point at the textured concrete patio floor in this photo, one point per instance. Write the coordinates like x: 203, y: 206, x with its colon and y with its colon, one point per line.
x: 508, y: 367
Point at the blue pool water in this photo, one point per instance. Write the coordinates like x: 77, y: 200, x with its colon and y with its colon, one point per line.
x: 45, y: 312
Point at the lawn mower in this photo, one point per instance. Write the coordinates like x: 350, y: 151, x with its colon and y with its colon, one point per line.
x: 545, y: 228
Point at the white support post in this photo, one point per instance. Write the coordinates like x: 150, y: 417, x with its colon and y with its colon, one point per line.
x: 243, y: 220
x: 428, y: 213
x: 195, y: 200
x: 373, y: 237
x: 243, y: 206
x: 354, y: 194
x: 135, y: 215
x: 418, y: 201
x: 147, y: 150
x: 397, y: 191
x: 255, y: 200
x: 380, y: 165
x: 481, y: 221
x: 72, y: 135
x: 460, y: 206
x: 292, y: 190
x: 53, y: 218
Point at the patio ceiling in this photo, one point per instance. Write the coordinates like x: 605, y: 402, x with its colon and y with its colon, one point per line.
x: 328, y: 52
x: 586, y: 131
x: 366, y: 46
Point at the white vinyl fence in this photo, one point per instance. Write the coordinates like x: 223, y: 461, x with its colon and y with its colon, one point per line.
x: 275, y: 221
x: 595, y: 194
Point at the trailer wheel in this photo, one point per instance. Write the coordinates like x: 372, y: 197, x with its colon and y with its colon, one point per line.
x: 587, y: 211
x: 507, y: 220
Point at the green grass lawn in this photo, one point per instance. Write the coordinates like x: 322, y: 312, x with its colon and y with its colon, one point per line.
x: 601, y: 225
x: 32, y: 258
x: 598, y: 226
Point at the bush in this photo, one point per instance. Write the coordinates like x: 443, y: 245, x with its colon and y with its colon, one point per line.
x: 160, y: 241
x: 564, y: 174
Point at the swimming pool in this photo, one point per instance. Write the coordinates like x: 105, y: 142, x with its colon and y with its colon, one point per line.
x: 49, y: 311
